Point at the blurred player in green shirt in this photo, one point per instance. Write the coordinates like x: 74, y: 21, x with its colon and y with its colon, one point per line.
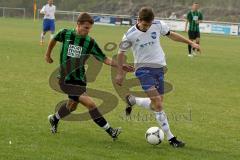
x: 194, y: 18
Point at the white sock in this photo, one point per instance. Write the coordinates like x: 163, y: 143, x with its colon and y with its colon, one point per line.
x: 107, y: 126
x: 163, y: 122
x: 57, y: 115
x: 42, y: 37
x: 143, y: 102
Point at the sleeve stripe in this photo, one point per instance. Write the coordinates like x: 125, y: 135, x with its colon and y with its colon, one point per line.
x: 91, y: 44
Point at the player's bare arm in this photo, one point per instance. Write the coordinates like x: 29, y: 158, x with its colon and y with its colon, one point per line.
x: 120, y: 73
x: 113, y: 63
x: 179, y: 38
x: 48, y: 53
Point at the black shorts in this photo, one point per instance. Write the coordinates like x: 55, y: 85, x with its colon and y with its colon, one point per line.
x: 193, y: 34
x: 73, y: 88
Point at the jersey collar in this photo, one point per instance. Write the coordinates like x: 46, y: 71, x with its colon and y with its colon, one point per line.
x: 136, y: 26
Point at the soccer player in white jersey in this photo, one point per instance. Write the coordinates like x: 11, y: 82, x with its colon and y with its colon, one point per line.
x: 149, y: 59
x: 49, y: 20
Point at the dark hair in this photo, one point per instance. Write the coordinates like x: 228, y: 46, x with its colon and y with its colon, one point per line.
x: 84, y: 17
x: 146, y: 14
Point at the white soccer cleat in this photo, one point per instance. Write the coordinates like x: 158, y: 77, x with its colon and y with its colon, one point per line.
x: 194, y: 53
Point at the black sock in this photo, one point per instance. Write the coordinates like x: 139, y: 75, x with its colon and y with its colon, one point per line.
x: 189, y: 49
x: 63, y: 111
x: 100, y: 120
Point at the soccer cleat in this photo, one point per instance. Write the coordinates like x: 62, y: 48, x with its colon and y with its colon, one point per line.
x: 190, y: 55
x: 53, y: 123
x: 194, y: 53
x: 176, y: 143
x: 115, y: 133
x: 130, y: 100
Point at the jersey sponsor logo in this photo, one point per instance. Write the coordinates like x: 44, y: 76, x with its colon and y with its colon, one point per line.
x: 74, y: 51
x: 154, y: 35
x: 195, y: 18
x: 146, y: 44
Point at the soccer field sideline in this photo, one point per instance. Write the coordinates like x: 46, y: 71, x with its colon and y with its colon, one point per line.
x: 207, y: 85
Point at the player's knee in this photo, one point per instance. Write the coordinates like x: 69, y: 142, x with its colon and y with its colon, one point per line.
x: 72, y: 105
x: 73, y: 108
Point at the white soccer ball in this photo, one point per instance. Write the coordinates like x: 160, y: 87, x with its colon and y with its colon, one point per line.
x: 154, y: 135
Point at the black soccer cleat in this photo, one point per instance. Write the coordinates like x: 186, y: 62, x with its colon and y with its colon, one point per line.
x: 114, y: 133
x: 53, y: 123
x: 130, y: 100
x: 176, y: 143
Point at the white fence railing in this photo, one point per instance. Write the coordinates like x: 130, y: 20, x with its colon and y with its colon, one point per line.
x: 225, y: 28
x: 12, y: 12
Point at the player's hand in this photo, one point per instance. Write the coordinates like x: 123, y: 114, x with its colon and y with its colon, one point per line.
x: 196, y: 46
x: 48, y: 59
x: 128, y: 68
x: 119, y: 79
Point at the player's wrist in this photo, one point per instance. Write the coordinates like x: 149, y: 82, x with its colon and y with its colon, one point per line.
x: 191, y: 43
x: 48, y: 55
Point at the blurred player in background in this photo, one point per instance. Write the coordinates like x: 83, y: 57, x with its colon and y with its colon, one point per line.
x: 49, y: 20
x: 149, y: 60
x: 194, y: 18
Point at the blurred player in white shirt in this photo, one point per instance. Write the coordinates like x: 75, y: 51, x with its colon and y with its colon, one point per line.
x: 49, y: 19
x: 149, y: 59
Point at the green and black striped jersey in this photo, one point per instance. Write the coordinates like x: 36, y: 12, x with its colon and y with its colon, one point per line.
x: 75, y: 50
x: 193, y: 17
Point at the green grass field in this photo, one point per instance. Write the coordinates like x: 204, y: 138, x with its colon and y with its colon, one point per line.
x: 203, y: 108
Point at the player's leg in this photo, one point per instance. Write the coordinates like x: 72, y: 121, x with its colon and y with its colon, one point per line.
x: 97, y: 117
x: 45, y: 29
x: 64, y: 110
x: 191, y: 37
x: 156, y: 96
x: 52, y: 28
x: 198, y: 39
x: 161, y: 117
x: 157, y: 102
x: 147, y: 78
x: 154, y: 88
x: 42, y: 37
x: 146, y: 81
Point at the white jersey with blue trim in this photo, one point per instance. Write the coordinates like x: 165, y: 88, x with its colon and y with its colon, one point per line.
x: 48, y: 11
x: 146, y: 47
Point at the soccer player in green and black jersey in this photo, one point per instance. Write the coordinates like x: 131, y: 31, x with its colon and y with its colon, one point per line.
x: 194, y: 18
x: 77, y: 46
